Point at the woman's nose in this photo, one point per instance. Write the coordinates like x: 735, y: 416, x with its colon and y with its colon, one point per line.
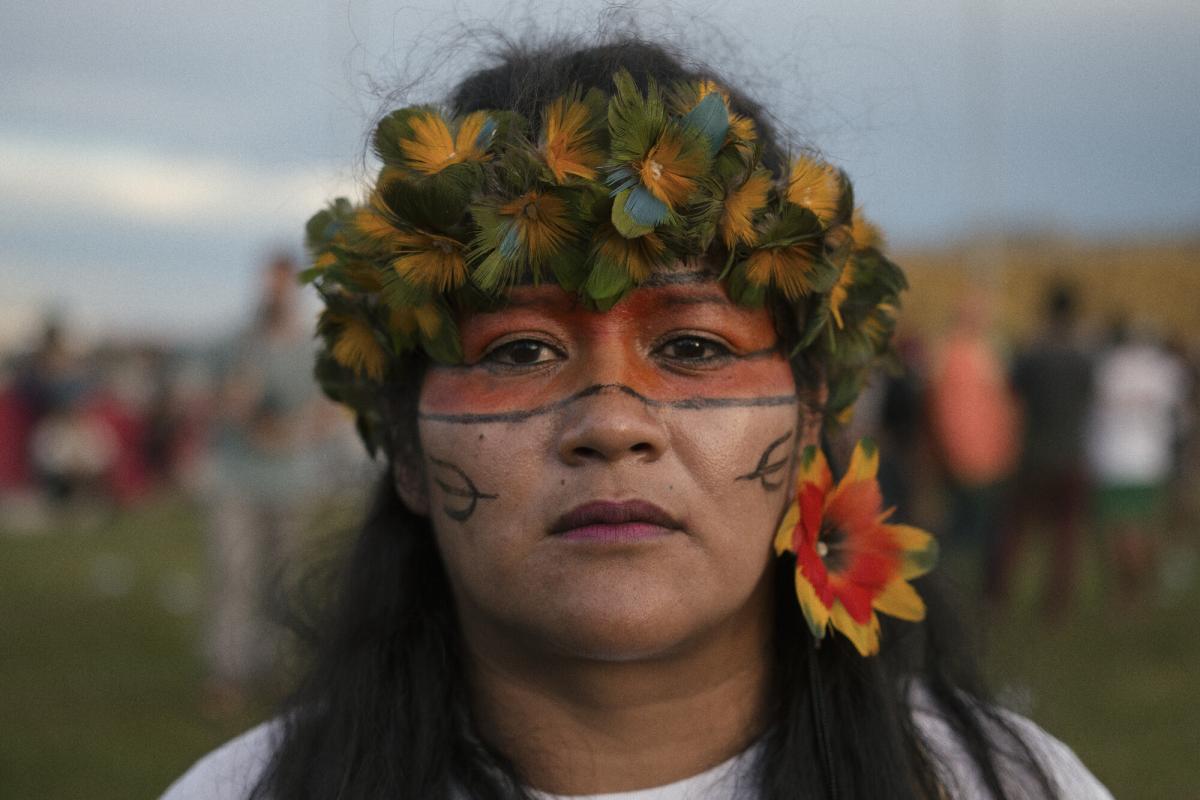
x: 609, y: 423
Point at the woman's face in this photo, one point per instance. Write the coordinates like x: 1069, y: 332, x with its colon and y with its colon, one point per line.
x: 607, y: 485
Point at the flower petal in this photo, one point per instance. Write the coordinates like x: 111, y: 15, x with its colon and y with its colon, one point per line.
x: 865, y: 637
x: 814, y: 469
x: 785, y: 535
x: 919, y: 550
x: 816, y: 614
x: 899, y: 599
x: 864, y: 463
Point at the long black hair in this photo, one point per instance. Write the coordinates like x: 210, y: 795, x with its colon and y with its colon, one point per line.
x: 383, y: 710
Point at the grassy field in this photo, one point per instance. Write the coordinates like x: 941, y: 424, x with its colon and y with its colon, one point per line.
x: 99, y: 675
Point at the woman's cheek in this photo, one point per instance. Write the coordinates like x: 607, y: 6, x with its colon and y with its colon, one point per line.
x: 483, y: 476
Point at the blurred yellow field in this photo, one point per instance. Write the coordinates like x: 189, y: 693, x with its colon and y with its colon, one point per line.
x: 1151, y: 281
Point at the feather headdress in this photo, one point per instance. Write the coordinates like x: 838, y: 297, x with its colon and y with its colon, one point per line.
x: 597, y: 193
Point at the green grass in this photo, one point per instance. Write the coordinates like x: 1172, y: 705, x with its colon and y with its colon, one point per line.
x: 99, y: 677
x: 1119, y: 684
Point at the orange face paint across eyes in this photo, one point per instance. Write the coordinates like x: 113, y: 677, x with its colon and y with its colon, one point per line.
x: 621, y: 350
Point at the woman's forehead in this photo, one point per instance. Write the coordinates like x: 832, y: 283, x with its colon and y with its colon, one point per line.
x: 683, y: 285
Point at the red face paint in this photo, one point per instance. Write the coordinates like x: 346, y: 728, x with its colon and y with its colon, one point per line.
x: 685, y: 344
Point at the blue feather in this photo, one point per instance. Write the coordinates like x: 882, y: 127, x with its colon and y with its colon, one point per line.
x: 711, y: 118
x: 646, y: 209
x: 485, y: 133
x: 510, y: 245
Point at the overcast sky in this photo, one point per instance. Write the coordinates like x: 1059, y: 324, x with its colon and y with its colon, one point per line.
x: 151, y: 153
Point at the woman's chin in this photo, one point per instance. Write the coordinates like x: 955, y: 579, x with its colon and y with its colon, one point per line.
x: 617, y: 628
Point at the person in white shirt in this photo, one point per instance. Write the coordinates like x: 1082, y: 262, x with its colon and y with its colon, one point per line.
x: 596, y: 320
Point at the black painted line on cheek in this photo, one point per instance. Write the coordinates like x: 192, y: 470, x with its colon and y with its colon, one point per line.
x: 766, y: 468
x: 686, y: 404
x: 466, y: 490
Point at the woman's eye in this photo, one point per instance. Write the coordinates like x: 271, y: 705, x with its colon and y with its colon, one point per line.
x: 520, y: 353
x: 693, y: 348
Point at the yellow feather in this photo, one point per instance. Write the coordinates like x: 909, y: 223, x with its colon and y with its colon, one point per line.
x: 426, y: 259
x: 737, y: 214
x: 431, y: 149
x: 543, y: 225
x: 742, y: 129
x: 840, y: 291
x: 669, y: 169
x: 424, y: 318
x: 373, y: 225
x: 366, y: 275
x: 569, y: 147
x: 787, y: 268
x: 815, y: 186
x: 357, y: 348
x: 636, y: 256
x: 466, y: 144
x: 865, y: 233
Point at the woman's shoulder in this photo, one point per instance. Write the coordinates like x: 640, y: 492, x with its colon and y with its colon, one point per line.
x: 956, y: 768
x: 230, y: 771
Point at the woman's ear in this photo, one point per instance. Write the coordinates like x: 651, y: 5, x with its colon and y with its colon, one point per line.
x: 410, y: 484
x: 812, y: 416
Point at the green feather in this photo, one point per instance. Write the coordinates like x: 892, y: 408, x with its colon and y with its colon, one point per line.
x: 625, y: 223
x: 742, y: 291
x: 711, y: 118
x: 445, y: 346
x: 634, y: 121
x: 570, y: 270
x: 607, y: 283
x: 817, y: 320
x: 393, y: 128
x: 399, y: 293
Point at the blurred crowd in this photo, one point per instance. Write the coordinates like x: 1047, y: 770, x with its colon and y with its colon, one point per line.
x: 91, y: 431
x: 98, y: 430
x: 237, y: 429
x: 1076, y: 442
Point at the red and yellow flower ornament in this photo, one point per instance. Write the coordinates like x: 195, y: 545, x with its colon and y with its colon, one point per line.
x: 850, y: 562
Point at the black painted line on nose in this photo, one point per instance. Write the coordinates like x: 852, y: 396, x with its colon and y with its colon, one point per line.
x: 687, y: 404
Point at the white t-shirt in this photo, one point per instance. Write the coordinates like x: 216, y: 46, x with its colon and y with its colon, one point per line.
x: 1139, y: 392
x: 229, y: 772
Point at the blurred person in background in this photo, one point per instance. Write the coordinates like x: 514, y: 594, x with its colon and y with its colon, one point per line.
x: 1135, y: 422
x: 121, y: 401
x: 259, y: 476
x: 973, y: 425
x: 49, y: 381
x: 74, y: 453
x: 1053, y: 381
x: 16, y: 426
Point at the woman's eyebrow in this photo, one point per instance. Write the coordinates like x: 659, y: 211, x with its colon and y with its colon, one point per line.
x: 676, y: 278
x: 695, y: 298
x: 539, y: 302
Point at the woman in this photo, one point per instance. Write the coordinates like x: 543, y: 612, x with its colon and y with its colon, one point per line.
x: 596, y: 321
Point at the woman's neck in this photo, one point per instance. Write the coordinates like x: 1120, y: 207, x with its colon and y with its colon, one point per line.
x: 585, y: 726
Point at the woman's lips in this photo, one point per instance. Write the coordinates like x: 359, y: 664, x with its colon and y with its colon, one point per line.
x: 607, y: 521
